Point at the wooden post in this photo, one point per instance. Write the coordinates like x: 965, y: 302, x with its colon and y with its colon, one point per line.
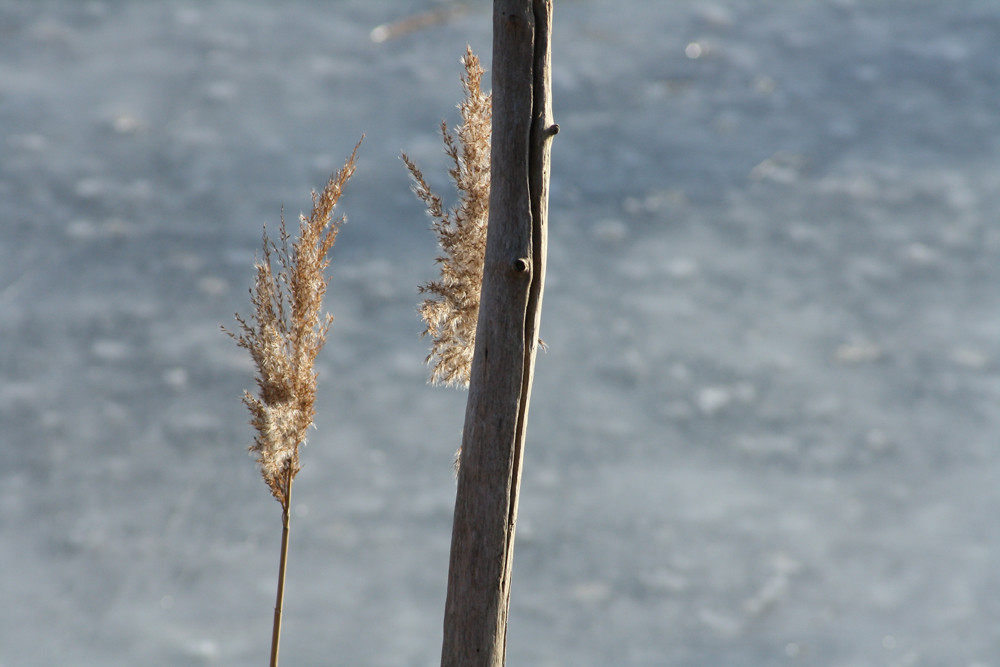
x: 482, y: 548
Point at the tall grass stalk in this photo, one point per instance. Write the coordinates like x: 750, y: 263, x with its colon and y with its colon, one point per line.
x: 283, y: 335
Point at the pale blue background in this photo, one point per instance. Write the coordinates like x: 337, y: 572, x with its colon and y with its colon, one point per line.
x: 765, y: 431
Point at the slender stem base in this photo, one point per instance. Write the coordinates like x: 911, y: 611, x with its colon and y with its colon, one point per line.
x: 280, y: 596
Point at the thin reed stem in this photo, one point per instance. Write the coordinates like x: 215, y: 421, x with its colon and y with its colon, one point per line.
x: 282, y: 563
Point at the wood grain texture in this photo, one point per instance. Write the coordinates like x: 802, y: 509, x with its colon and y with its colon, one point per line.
x: 506, y: 339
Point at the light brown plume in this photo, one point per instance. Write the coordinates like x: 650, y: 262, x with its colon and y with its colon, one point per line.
x: 287, y: 331
x: 452, y: 307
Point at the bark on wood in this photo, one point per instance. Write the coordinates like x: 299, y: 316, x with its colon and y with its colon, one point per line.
x: 482, y: 546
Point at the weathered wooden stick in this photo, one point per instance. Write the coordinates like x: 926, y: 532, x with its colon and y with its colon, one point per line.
x: 482, y: 547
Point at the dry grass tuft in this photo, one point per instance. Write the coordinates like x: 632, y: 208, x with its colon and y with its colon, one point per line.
x: 287, y: 331
x: 451, y: 310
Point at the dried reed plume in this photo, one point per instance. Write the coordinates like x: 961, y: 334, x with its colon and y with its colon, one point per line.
x: 452, y: 308
x: 283, y: 336
x: 286, y: 332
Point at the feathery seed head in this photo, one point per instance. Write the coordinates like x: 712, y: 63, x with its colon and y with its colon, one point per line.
x: 451, y: 308
x: 286, y: 332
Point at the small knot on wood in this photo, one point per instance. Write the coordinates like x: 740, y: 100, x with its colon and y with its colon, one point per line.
x: 552, y: 129
x: 521, y: 265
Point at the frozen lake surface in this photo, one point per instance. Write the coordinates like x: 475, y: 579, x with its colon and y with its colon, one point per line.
x: 765, y: 431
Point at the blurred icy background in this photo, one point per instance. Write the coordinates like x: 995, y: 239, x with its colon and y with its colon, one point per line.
x: 765, y: 431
